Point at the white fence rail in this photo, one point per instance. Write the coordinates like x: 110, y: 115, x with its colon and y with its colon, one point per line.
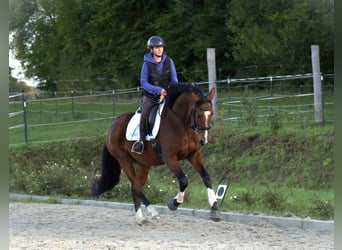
x: 237, y: 100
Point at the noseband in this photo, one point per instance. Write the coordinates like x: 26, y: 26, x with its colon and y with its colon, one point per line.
x: 194, y: 124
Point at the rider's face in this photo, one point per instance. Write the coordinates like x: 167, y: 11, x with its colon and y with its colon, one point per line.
x: 158, y: 51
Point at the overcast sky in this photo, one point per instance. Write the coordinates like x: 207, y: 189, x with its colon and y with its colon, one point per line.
x: 17, y: 71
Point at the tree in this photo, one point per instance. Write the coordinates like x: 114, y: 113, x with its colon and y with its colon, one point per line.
x: 16, y: 86
x: 35, y: 40
x: 100, y: 44
x: 277, y: 32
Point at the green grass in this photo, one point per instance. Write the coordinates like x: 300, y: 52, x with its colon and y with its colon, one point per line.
x: 48, y: 121
x: 272, y: 199
x: 56, y: 132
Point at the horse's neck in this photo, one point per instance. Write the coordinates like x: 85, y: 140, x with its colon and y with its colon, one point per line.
x: 182, y: 109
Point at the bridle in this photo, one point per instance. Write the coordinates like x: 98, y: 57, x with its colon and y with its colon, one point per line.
x: 193, y: 114
x: 193, y: 120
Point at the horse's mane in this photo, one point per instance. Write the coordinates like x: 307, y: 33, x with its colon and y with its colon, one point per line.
x: 175, y: 90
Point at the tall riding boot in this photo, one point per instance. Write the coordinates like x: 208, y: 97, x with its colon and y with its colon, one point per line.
x: 138, y: 146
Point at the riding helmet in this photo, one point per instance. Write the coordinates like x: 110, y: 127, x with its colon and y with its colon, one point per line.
x: 155, y: 41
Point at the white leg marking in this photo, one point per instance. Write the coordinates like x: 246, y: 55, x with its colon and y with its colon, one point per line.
x: 211, y: 197
x: 180, y: 197
x: 153, y: 212
x: 139, y: 216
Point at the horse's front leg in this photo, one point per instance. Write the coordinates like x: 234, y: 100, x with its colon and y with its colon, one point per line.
x: 215, y: 213
x: 197, y: 163
x: 174, y: 202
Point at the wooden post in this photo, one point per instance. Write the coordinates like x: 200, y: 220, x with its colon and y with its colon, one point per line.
x: 25, y: 116
x: 212, y: 77
x: 317, y: 85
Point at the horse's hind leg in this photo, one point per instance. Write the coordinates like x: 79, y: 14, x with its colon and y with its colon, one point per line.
x: 138, y: 177
x: 141, y: 174
x: 138, y: 196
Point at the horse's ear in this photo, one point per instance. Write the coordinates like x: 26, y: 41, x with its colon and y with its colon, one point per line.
x: 211, y: 94
x: 194, y: 97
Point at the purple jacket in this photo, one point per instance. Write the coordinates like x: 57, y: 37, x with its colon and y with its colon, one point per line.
x: 149, y: 87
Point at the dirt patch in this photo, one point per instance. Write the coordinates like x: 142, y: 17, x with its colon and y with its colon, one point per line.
x: 61, y: 226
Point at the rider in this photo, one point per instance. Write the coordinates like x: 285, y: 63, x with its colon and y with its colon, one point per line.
x: 157, y: 72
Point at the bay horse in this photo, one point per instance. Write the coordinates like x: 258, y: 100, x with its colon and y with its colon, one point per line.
x: 184, y: 127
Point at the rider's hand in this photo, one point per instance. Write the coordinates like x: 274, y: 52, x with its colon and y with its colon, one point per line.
x: 163, y: 92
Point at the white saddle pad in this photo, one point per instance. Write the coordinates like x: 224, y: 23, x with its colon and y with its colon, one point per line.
x: 132, y: 130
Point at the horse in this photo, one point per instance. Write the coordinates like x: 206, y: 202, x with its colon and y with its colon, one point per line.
x: 184, y: 128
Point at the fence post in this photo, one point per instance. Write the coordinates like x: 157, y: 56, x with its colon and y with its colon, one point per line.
x: 113, y: 103
x: 72, y: 104
x: 40, y: 109
x: 56, y: 105
x: 212, y: 77
x: 229, y: 111
x: 271, y: 95
x: 317, y: 85
x: 25, y: 118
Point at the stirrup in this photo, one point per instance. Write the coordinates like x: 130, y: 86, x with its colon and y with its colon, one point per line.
x: 139, y: 150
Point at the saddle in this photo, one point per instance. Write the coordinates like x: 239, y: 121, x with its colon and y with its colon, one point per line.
x: 151, y: 118
x: 152, y: 123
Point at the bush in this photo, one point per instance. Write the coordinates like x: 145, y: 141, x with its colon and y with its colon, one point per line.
x: 67, y: 178
x: 61, y: 168
x: 322, y: 209
x: 272, y: 199
x: 246, y: 197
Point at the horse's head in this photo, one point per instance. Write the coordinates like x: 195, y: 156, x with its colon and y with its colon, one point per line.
x: 202, y: 114
x: 191, y: 105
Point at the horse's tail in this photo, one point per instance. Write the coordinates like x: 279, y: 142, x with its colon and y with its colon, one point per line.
x: 110, y: 175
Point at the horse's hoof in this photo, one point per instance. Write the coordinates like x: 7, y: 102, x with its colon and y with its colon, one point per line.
x: 140, y: 222
x: 153, y: 212
x: 215, y: 214
x: 172, y: 204
x: 156, y: 217
x: 139, y: 217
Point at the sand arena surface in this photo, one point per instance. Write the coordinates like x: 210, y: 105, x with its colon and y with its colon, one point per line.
x: 63, y: 226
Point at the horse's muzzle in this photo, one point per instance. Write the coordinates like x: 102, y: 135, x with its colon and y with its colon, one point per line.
x: 203, y: 141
